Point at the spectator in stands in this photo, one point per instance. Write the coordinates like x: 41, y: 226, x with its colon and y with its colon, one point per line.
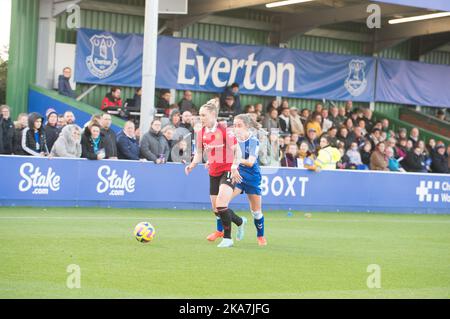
x: 64, y: 87
x: 232, y: 90
x: 385, y: 125
x: 259, y: 112
x: 355, y: 116
x: 19, y: 126
x: 61, y: 121
x: 186, y: 104
x: 343, y: 137
x: 168, y: 133
x: 414, y: 135
x: 367, y: 116
x: 175, y: 118
x: 6, y: 131
x: 249, y: 108
x: 326, y: 123
x: 392, y: 142
x: 180, y: 153
x: 271, y: 120
x: 68, y: 143
x: 153, y: 144
x: 342, y: 115
x: 348, y: 123
x: 348, y: 108
x: 312, y: 140
x: 344, y: 162
x: 228, y: 108
x: 110, y: 135
x: 362, y: 125
x: 332, y: 137
x: 402, y: 133
x: 378, y: 159
x: 127, y: 144
x: 328, y: 155
x: 353, y: 155
x: 94, y: 144
x: 305, y: 158
x: 51, y: 129
x: 137, y: 98
x: 357, y: 136
x: 112, y: 100
x: 96, y: 118
x: 375, y: 137
x: 185, y: 128
x: 296, y: 122
x: 425, y: 155
x: 34, y: 141
x: 273, y: 104
x: 290, y: 156
x: 334, y: 117
x: 448, y: 156
x: 304, y: 116
x: 440, y: 114
x: 393, y: 163
x: 163, y: 102
x: 284, y: 120
x: 69, y: 117
x: 414, y: 161
x: 315, y: 122
x: 318, y: 108
x: 366, y: 152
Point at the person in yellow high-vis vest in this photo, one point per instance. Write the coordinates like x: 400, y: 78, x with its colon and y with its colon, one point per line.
x: 328, y: 156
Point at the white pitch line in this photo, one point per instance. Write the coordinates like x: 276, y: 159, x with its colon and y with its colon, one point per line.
x: 276, y: 219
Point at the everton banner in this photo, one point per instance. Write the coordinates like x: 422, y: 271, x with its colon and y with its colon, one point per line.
x: 108, y: 58
x: 415, y: 83
x: 116, y: 59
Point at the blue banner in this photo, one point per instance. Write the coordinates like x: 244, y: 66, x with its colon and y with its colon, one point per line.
x: 108, y: 58
x: 116, y: 59
x: 408, y: 82
x: 69, y: 182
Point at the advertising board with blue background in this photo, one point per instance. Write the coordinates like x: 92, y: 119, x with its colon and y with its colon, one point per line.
x: 132, y: 184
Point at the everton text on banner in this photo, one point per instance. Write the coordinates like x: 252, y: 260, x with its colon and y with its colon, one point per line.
x: 115, y: 59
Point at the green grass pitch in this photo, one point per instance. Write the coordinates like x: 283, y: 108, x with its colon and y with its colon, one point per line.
x: 325, y: 256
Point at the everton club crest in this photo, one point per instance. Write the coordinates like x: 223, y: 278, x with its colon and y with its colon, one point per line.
x: 356, y: 81
x: 102, y: 62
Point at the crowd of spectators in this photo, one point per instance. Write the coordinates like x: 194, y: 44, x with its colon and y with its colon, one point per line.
x: 338, y: 137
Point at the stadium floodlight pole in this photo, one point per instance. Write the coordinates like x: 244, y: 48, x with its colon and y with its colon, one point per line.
x: 149, y: 64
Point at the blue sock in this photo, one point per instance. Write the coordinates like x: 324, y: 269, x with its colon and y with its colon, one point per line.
x: 219, y: 224
x: 259, y: 223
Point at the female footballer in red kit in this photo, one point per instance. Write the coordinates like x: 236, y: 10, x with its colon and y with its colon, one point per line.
x: 220, y: 146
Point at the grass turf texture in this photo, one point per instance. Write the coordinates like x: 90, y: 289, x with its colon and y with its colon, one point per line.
x: 325, y: 256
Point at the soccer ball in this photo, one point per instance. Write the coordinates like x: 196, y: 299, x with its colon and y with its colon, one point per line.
x: 144, y: 232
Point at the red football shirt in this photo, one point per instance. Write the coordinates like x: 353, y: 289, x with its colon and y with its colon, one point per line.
x: 217, y: 143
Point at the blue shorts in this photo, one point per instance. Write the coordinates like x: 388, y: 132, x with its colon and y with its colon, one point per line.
x: 249, y: 188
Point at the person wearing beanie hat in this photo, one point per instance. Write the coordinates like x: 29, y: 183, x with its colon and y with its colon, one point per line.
x: 51, y: 129
x: 439, y: 159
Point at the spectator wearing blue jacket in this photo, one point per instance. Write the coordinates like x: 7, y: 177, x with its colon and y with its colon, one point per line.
x: 64, y: 87
x: 127, y: 144
x: 393, y: 163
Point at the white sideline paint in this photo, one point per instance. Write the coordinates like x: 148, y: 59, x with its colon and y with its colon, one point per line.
x: 209, y: 219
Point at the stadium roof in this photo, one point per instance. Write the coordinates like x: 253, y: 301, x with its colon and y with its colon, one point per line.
x: 285, y: 22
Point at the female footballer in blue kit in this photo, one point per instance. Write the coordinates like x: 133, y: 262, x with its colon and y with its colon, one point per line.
x: 248, y: 178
